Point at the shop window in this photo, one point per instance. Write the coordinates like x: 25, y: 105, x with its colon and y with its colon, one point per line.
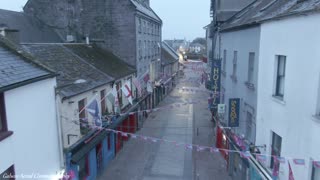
x: 109, y: 142
x: 8, y: 174
x: 103, y: 101
x: 119, y: 92
x: 84, y: 168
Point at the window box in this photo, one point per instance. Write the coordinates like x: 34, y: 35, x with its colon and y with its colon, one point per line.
x: 250, y: 85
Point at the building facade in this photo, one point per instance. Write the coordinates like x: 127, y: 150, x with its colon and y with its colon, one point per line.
x: 29, y: 129
x: 288, y: 106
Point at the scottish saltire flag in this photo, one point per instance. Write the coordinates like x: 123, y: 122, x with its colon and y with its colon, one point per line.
x: 137, y: 84
x: 93, y: 110
x: 291, y: 177
x: 299, y: 161
x: 126, y: 89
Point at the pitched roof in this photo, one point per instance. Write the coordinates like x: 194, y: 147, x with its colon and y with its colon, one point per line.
x: 75, y: 75
x: 31, y: 30
x: 17, y: 70
x: 264, y: 10
x: 145, y: 9
x: 168, y: 55
x: 103, y: 60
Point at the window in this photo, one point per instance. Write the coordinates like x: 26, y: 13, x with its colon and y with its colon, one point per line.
x: 275, y: 148
x: 119, y: 92
x: 82, y: 116
x: 280, y: 76
x: 251, y: 67
x: 103, y: 101
x: 139, y: 24
x: 234, y: 70
x: 315, y: 173
x: 3, y: 119
x: 8, y: 174
x: 109, y: 142
x: 249, y: 125
x: 224, y: 60
x: 140, y: 50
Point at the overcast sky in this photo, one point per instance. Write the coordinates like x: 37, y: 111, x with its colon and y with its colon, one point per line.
x: 181, y: 18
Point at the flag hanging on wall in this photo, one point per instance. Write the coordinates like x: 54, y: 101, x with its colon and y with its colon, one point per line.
x: 93, y: 110
x: 126, y: 89
x: 137, y: 84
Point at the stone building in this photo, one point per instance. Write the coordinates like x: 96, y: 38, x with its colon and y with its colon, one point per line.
x: 128, y: 28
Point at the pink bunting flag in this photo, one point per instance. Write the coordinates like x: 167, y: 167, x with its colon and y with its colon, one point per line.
x: 316, y: 164
x: 299, y: 161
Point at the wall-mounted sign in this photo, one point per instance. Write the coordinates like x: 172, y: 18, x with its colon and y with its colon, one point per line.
x: 221, y: 108
x: 216, y: 82
x: 234, y: 112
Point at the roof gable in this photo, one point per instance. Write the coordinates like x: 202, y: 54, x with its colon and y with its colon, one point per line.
x: 145, y: 9
x: 264, y: 10
x: 16, y: 69
x: 30, y: 29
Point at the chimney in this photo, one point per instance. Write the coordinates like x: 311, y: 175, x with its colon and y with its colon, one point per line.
x: 87, y: 40
x: 11, y: 34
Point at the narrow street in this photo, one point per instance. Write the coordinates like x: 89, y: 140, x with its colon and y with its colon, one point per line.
x: 142, y: 160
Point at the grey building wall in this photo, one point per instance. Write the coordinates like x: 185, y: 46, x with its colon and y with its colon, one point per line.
x: 149, y: 45
x: 244, y: 42
x: 79, y: 18
x: 113, y: 24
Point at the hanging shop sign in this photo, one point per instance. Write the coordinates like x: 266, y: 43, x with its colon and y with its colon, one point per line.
x: 234, y: 112
x: 216, y: 82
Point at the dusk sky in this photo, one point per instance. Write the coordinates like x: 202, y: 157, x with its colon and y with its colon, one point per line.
x: 181, y: 19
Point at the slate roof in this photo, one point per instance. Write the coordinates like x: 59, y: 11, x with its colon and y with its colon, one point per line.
x: 168, y: 55
x: 31, y: 30
x: 264, y: 10
x: 145, y: 10
x: 103, y: 60
x: 70, y: 68
x: 17, y: 70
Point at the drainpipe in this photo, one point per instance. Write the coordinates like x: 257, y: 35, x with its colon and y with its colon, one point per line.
x: 60, y: 138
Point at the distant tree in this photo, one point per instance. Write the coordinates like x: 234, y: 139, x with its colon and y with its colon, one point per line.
x: 200, y: 40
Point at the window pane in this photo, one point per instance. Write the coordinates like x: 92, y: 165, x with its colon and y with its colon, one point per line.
x: 282, y: 63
